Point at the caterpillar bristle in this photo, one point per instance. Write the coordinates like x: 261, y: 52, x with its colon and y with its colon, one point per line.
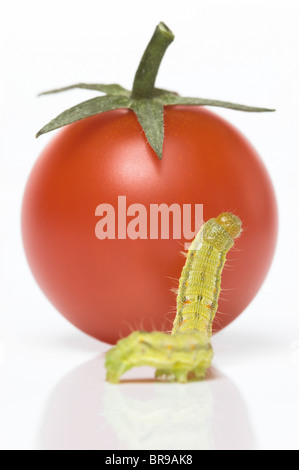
x: 174, y: 290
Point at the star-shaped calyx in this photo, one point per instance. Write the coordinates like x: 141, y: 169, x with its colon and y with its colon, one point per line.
x: 145, y: 100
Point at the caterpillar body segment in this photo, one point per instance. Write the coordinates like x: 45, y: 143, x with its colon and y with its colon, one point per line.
x: 176, y: 357
x: 186, y: 353
x: 200, y: 282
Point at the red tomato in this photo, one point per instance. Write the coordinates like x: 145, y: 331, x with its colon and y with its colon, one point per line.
x: 109, y: 287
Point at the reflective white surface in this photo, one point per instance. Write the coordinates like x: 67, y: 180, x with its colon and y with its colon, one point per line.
x: 84, y: 411
x: 249, y: 400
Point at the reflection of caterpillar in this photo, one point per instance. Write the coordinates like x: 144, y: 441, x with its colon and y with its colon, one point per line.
x: 151, y: 420
x: 187, y: 353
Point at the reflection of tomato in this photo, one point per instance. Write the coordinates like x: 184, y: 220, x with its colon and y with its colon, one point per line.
x: 83, y: 414
x: 109, y: 287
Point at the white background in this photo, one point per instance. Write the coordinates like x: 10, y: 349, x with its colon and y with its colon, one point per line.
x: 52, y: 388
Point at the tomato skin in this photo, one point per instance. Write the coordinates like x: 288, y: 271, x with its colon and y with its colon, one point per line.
x: 109, y: 287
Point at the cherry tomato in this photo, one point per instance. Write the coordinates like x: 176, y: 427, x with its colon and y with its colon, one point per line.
x: 109, y: 287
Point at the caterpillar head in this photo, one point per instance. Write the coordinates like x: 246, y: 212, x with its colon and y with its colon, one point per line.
x: 231, y: 223
x: 221, y: 232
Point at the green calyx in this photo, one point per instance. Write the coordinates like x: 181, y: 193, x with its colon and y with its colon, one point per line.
x: 145, y: 100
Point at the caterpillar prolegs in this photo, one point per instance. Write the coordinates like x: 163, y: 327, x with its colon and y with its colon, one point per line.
x: 186, y: 353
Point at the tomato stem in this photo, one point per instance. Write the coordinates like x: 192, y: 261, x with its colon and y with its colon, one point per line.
x: 146, y: 74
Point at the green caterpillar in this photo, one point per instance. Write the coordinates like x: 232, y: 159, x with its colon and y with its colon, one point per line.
x: 186, y: 353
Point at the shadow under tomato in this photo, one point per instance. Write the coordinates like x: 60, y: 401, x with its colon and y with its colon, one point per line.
x: 86, y: 412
